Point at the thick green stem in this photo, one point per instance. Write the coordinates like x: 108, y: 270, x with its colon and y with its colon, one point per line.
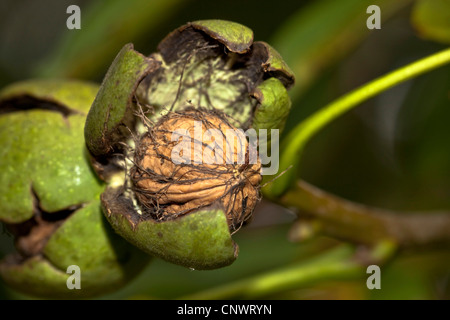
x: 300, y: 135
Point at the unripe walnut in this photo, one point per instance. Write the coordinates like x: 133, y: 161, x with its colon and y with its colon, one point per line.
x: 194, y: 159
x: 185, y: 211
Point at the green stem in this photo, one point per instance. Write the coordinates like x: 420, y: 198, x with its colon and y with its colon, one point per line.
x: 303, y: 132
x: 337, y: 263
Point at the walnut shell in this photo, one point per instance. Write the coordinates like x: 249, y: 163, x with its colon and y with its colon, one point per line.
x: 221, y: 169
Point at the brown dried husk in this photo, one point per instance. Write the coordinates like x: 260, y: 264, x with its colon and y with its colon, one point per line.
x: 167, y: 190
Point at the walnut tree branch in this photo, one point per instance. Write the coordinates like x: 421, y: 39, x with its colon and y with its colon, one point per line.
x: 358, y: 223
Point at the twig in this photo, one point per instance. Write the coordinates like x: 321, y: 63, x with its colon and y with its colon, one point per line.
x: 357, y: 223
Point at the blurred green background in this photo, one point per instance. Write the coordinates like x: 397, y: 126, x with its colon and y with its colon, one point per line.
x: 391, y: 152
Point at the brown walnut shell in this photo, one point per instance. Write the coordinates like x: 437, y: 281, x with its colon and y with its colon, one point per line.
x: 221, y: 169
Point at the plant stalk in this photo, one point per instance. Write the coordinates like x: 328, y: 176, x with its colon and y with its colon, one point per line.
x: 358, y: 223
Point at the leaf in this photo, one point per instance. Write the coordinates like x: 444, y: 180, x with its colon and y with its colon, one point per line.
x: 431, y: 19
x: 105, y: 27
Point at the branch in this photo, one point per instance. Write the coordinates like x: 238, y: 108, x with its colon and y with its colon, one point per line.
x: 357, y: 223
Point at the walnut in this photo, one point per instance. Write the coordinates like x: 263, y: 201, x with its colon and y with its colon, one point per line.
x: 215, y: 169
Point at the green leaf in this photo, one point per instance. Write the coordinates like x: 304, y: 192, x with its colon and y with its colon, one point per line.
x: 431, y: 19
x: 105, y: 27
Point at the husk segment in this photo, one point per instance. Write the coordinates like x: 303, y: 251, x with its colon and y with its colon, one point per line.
x: 198, y: 241
x: 204, y: 69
